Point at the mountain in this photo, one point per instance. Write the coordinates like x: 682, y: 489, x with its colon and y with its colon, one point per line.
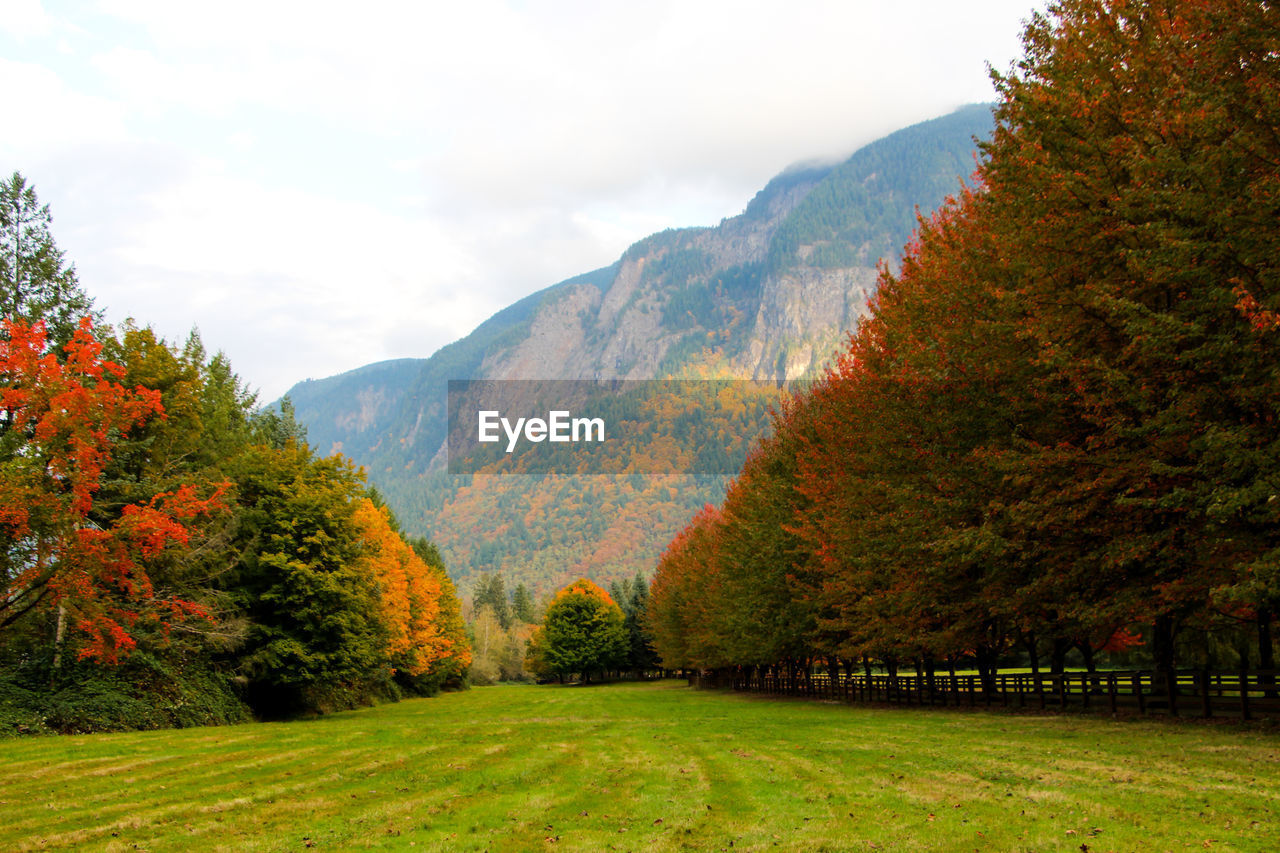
x: 767, y: 294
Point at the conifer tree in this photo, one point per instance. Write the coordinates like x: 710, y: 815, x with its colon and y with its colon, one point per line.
x: 35, y: 283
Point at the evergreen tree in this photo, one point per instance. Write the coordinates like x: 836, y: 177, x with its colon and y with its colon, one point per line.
x: 640, y: 652
x: 35, y: 284
x: 492, y: 592
x: 522, y: 609
x: 316, y: 638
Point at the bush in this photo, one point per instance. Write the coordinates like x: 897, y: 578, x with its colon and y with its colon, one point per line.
x: 144, y: 692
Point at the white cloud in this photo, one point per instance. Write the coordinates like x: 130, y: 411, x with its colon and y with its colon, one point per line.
x: 44, y: 113
x: 25, y: 18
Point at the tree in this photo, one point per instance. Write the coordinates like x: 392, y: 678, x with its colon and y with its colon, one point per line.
x: 317, y: 638
x: 453, y: 655
x: 34, y: 283
x: 492, y: 592
x: 522, y: 609
x: 583, y: 632
x: 1134, y: 169
x: 641, y: 656
x: 685, y: 589
x: 61, y: 422
x: 410, y: 593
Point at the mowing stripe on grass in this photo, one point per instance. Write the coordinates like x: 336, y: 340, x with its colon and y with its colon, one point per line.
x: 647, y: 767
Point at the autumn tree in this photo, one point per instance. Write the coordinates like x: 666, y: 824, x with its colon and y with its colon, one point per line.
x: 766, y: 616
x: 408, y: 592
x: 61, y: 421
x: 450, y: 668
x: 582, y: 632
x: 1134, y: 167
x: 685, y: 589
x: 1057, y: 425
x: 159, y: 536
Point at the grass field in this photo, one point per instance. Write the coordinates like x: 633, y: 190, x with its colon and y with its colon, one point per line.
x: 649, y: 767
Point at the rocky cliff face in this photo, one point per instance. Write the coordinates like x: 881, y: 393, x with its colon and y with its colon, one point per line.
x: 625, y: 330
x: 803, y: 317
x: 768, y: 294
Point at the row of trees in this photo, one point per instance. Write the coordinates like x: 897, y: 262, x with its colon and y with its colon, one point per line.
x: 168, y: 550
x: 1059, y: 428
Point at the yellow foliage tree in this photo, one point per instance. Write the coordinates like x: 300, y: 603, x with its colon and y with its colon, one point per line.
x: 417, y: 599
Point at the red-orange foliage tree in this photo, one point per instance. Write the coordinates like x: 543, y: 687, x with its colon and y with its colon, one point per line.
x: 685, y: 588
x: 61, y: 420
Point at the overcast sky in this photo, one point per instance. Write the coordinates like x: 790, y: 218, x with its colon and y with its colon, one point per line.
x: 319, y: 186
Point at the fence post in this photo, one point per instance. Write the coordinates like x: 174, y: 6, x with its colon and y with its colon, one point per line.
x: 1111, y: 691
x: 1205, y: 705
x: 1137, y: 691
x: 1244, y: 694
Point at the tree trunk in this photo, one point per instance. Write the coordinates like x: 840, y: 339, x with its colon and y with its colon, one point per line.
x: 1033, y: 652
x: 59, y: 633
x: 1266, y: 648
x: 986, y: 669
x: 1162, y: 645
x: 1058, y: 656
x: 1086, y: 649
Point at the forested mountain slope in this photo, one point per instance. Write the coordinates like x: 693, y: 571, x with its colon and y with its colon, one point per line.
x: 766, y: 294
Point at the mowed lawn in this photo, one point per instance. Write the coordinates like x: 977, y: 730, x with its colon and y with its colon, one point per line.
x: 649, y: 767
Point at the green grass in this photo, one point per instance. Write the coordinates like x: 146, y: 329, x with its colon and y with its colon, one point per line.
x: 649, y: 767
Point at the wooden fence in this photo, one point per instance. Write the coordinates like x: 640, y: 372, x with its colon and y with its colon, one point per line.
x: 1202, y: 693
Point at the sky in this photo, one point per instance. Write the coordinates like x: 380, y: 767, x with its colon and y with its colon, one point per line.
x: 317, y: 186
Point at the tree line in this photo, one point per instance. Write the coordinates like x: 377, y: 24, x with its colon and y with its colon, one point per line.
x: 1058, y: 431
x: 170, y: 552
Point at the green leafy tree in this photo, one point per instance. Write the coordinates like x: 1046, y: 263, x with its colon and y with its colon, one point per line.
x: 583, y: 632
x: 315, y: 639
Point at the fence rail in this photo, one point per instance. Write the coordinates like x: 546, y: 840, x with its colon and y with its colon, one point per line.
x: 1203, y: 693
